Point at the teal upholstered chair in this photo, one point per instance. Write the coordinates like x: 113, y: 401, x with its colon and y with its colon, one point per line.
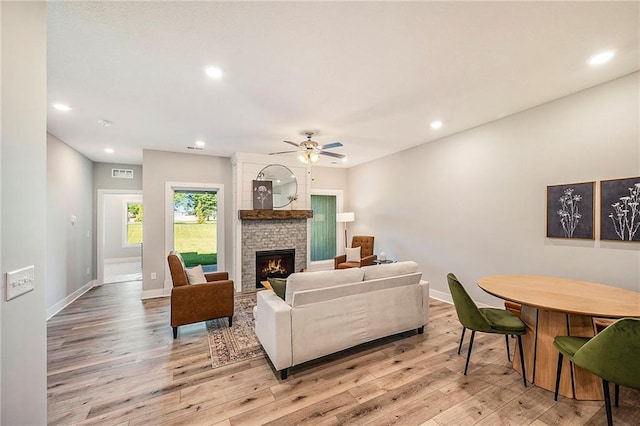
x: 486, y: 320
x: 613, y: 355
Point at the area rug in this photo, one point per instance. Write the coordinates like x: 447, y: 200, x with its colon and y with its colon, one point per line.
x: 238, y: 342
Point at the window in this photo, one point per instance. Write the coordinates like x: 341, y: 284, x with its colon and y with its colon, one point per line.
x: 132, y: 224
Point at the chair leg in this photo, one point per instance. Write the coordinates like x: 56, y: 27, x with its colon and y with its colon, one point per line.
x: 607, y: 402
x: 617, y: 394
x: 175, y: 332
x: 461, y: 339
x: 524, y: 373
x: 506, y: 336
x: 466, y: 365
x: 558, y: 372
x: 230, y: 320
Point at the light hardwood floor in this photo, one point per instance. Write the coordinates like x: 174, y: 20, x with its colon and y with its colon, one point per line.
x: 112, y: 361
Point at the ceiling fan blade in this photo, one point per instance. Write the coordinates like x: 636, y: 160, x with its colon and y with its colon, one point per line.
x: 330, y: 145
x: 332, y: 154
x: 292, y: 143
x: 281, y: 152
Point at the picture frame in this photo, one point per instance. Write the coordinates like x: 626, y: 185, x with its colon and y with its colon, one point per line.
x: 571, y: 211
x: 262, y: 195
x: 620, y: 209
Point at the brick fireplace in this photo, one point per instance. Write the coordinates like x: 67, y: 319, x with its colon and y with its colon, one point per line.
x: 271, y: 234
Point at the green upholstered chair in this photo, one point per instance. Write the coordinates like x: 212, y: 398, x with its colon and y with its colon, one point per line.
x: 486, y: 320
x: 612, y: 355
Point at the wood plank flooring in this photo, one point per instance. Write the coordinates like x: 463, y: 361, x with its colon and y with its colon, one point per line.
x: 112, y: 361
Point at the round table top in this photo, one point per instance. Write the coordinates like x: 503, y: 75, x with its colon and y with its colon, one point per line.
x: 564, y: 295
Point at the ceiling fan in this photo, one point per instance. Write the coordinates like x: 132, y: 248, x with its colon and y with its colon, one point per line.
x: 309, y: 151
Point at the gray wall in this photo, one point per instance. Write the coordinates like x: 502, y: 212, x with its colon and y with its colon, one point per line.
x: 161, y: 167
x: 23, y: 206
x: 70, y: 246
x: 474, y: 203
x: 329, y: 178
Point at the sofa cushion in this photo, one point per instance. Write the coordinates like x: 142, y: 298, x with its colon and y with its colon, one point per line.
x: 300, y: 281
x: 389, y: 270
x: 279, y: 286
x: 195, y: 275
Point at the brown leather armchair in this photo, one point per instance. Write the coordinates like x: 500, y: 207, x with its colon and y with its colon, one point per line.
x: 198, y: 302
x: 366, y: 254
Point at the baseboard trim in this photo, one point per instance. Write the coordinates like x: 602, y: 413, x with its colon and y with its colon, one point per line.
x: 123, y: 260
x: 154, y: 294
x: 52, y: 311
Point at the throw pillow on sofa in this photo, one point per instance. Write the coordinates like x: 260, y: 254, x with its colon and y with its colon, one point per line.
x: 279, y: 286
x: 195, y: 275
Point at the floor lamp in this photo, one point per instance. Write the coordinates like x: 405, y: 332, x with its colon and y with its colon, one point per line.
x: 345, y: 218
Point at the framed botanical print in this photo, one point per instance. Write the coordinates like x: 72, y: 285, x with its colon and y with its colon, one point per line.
x: 570, y: 210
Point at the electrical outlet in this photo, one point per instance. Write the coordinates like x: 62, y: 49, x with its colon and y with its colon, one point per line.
x: 153, y: 276
x: 20, y: 282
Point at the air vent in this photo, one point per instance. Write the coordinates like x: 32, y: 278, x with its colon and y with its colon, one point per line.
x: 195, y: 148
x: 122, y: 173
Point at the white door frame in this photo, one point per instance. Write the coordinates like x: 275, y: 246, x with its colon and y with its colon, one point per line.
x: 101, y: 226
x: 170, y: 188
x: 339, y: 194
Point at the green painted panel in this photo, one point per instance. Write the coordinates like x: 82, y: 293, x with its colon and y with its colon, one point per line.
x: 323, y: 227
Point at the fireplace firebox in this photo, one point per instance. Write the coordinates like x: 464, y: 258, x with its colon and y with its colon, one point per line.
x: 274, y: 264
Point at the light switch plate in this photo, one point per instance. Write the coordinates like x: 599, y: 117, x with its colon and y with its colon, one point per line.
x: 20, y: 281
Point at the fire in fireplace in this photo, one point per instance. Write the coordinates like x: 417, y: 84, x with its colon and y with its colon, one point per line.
x: 274, y: 264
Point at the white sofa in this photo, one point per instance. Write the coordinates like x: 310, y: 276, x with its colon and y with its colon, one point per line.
x: 328, y: 311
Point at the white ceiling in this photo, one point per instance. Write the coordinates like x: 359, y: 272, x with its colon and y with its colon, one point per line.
x: 372, y: 75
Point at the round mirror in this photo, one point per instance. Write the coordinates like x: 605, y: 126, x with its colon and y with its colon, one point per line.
x: 284, y: 183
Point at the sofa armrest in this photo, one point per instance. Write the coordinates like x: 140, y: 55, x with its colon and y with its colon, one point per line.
x: 216, y: 276
x: 273, y: 328
x: 338, y: 260
x: 368, y: 260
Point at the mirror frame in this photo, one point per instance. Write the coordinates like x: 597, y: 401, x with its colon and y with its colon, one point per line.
x: 279, y: 200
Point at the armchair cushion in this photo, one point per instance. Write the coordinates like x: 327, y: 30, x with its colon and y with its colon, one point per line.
x: 353, y: 254
x: 195, y: 275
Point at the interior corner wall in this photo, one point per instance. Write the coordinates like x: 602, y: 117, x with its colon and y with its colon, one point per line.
x: 475, y: 203
x: 158, y: 168
x: 70, y: 244
x: 23, y: 359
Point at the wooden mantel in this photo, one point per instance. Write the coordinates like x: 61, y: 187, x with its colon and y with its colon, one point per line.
x: 274, y: 214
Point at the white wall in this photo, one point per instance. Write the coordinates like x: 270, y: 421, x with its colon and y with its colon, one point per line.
x: 474, y: 203
x: 70, y: 246
x: 158, y: 168
x: 24, y: 205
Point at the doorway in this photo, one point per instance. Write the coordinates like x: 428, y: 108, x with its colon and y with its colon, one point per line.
x: 194, y: 225
x: 325, y: 237
x: 119, y: 236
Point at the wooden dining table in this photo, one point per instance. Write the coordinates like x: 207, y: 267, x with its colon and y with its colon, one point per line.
x: 552, y: 306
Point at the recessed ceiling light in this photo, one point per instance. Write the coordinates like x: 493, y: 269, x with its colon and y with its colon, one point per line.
x: 200, y: 143
x: 109, y: 150
x: 601, y: 58
x: 61, y: 107
x: 105, y: 123
x: 436, y: 124
x: 214, y: 72
x: 345, y: 159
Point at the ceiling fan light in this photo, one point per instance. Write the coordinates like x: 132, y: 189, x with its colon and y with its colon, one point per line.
x: 314, y: 157
x: 302, y: 157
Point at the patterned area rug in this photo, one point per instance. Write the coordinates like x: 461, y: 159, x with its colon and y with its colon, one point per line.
x: 238, y: 342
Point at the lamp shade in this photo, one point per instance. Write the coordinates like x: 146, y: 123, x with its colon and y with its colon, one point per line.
x: 345, y: 217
